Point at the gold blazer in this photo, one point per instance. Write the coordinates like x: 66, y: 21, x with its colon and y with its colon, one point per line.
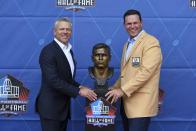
x: 139, y: 77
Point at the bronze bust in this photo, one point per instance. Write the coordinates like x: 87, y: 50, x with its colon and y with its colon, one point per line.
x: 100, y: 71
x: 100, y: 111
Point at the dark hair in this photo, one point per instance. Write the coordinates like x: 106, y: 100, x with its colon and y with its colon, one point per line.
x: 132, y: 12
x: 101, y: 45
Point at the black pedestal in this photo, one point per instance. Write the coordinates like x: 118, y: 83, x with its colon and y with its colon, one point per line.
x: 100, y: 114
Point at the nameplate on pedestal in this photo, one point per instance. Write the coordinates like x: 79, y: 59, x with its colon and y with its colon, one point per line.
x: 100, y: 114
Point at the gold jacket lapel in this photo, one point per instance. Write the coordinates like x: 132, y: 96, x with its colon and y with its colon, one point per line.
x: 135, y: 45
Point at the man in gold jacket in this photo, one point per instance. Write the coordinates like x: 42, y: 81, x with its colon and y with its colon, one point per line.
x: 138, y: 84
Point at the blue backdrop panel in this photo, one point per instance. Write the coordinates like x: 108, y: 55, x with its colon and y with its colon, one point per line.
x: 26, y: 27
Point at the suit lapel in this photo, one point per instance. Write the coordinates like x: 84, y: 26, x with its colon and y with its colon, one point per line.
x: 61, y: 53
x: 124, y: 54
x: 73, y: 62
x: 135, y: 45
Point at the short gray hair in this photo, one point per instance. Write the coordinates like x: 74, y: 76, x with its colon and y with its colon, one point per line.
x: 65, y: 19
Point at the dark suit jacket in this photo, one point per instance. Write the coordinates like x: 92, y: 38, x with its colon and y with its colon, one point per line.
x: 58, y: 86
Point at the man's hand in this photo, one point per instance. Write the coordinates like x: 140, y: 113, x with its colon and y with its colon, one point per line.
x: 115, y: 93
x: 88, y: 93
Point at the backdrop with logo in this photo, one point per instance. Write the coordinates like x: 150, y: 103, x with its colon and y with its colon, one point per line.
x: 26, y: 27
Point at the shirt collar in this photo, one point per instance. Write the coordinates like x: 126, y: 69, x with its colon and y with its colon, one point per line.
x: 135, y: 38
x: 63, y: 47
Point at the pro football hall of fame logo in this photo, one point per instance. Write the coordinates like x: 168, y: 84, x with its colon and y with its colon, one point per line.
x: 192, y: 3
x: 100, y: 113
x: 75, y: 5
x: 13, y: 96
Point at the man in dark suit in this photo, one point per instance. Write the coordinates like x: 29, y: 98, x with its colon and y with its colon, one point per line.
x: 58, y: 84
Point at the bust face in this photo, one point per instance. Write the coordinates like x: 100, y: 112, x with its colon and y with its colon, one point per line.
x: 101, y: 58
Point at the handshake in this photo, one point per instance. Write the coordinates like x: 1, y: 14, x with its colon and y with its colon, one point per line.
x: 114, y: 93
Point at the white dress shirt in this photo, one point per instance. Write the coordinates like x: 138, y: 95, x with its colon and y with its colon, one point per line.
x: 130, y: 45
x: 66, y: 50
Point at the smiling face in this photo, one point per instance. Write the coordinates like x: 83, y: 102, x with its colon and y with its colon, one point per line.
x: 133, y: 25
x: 63, y: 31
x: 101, y: 58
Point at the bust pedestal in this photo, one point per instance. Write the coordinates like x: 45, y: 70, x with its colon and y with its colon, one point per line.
x: 100, y: 114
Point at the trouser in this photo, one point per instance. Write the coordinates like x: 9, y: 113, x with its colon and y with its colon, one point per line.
x: 134, y: 124
x: 53, y: 125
